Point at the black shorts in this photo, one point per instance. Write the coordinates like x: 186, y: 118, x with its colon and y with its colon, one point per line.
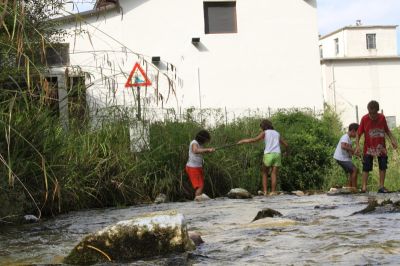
x: 368, y: 162
x: 347, y: 166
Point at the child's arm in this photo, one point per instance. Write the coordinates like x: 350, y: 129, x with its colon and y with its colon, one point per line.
x: 347, y: 147
x: 284, y: 143
x: 357, y: 150
x: 251, y: 140
x: 359, y: 132
x: 196, y: 149
x: 392, y: 139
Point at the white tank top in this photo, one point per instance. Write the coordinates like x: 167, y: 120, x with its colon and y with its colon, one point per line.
x: 271, y: 140
x: 195, y: 159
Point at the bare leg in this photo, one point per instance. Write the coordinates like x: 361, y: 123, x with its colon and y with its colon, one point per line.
x: 199, y: 191
x: 349, y: 180
x: 274, y: 175
x: 364, y: 181
x: 265, y: 178
x: 354, y: 177
x: 382, y: 174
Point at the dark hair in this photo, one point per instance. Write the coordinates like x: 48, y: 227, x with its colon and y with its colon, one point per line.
x: 202, y: 136
x: 266, y: 124
x: 353, y: 126
x: 373, y: 106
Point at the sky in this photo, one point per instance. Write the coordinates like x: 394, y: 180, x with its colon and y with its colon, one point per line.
x: 335, y: 14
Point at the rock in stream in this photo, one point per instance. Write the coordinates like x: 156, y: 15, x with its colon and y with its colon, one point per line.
x: 148, y: 235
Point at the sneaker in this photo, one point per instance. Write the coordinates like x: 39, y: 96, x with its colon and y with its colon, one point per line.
x: 383, y: 190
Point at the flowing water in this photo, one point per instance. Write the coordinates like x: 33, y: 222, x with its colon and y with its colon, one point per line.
x: 304, y: 235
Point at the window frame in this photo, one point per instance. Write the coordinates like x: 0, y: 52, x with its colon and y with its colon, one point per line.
x: 57, y: 54
x: 371, y: 43
x: 230, y: 4
x: 336, y: 42
x: 321, y: 51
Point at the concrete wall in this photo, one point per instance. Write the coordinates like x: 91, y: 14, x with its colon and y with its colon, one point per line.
x: 328, y: 45
x: 351, y: 83
x: 353, y: 43
x: 386, y: 42
x: 272, y: 60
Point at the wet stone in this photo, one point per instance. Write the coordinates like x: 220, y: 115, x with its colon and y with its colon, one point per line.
x: 298, y: 193
x: 29, y: 218
x: 196, y: 238
x: 380, y: 206
x: 341, y: 191
x: 239, y: 193
x: 202, y: 197
x: 148, y: 235
x: 161, y: 198
x: 267, y: 212
x: 325, y: 207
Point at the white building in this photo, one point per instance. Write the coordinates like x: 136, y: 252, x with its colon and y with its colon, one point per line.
x: 234, y: 54
x: 360, y: 63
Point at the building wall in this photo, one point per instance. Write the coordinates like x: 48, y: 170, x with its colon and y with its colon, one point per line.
x: 353, y: 43
x: 386, y: 42
x: 272, y: 61
x: 328, y: 45
x: 351, y: 83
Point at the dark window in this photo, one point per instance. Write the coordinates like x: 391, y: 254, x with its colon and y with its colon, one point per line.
x: 336, y: 46
x: 51, y: 98
x: 371, y: 41
x: 220, y: 17
x: 57, y: 54
x: 77, y: 105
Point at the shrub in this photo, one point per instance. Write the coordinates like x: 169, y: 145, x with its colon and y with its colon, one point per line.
x: 311, y: 144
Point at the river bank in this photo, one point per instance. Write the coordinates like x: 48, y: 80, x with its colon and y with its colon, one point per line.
x: 327, y: 234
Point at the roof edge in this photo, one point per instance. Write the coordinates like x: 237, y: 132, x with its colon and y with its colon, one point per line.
x: 355, y: 58
x: 357, y: 27
x: 89, y: 13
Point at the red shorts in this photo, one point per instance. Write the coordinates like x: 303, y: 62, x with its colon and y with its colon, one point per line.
x: 196, y: 176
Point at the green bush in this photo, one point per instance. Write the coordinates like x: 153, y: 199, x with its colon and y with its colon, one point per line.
x: 311, y: 144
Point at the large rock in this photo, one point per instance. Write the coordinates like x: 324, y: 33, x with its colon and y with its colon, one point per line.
x: 341, y: 191
x: 298, y: 193
x: 152, y: 234
x: 267, y: 212
x: 202, y: 197
x: 239, y: 193
x: 380, y: 206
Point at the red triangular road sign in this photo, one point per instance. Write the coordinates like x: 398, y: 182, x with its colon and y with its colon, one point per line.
x: 139, y: 78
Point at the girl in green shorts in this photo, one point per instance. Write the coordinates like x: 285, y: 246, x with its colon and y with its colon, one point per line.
x: 272, y: 153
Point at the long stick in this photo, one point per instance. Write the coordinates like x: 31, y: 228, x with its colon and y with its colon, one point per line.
x: 226, y: 146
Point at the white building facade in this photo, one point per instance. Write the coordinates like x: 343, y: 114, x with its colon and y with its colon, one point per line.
x: 359, y: 64
x: 202, y: 54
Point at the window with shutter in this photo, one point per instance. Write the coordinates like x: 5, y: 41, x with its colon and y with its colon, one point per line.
x: 220, y: 17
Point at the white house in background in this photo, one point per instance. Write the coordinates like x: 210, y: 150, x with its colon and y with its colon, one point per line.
x: 233, y: 54
x: 360, y: 63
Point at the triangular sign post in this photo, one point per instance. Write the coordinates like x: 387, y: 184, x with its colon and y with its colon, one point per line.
x: 139, y: 78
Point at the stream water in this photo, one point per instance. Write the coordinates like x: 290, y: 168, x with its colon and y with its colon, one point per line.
x: 304, y: 235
